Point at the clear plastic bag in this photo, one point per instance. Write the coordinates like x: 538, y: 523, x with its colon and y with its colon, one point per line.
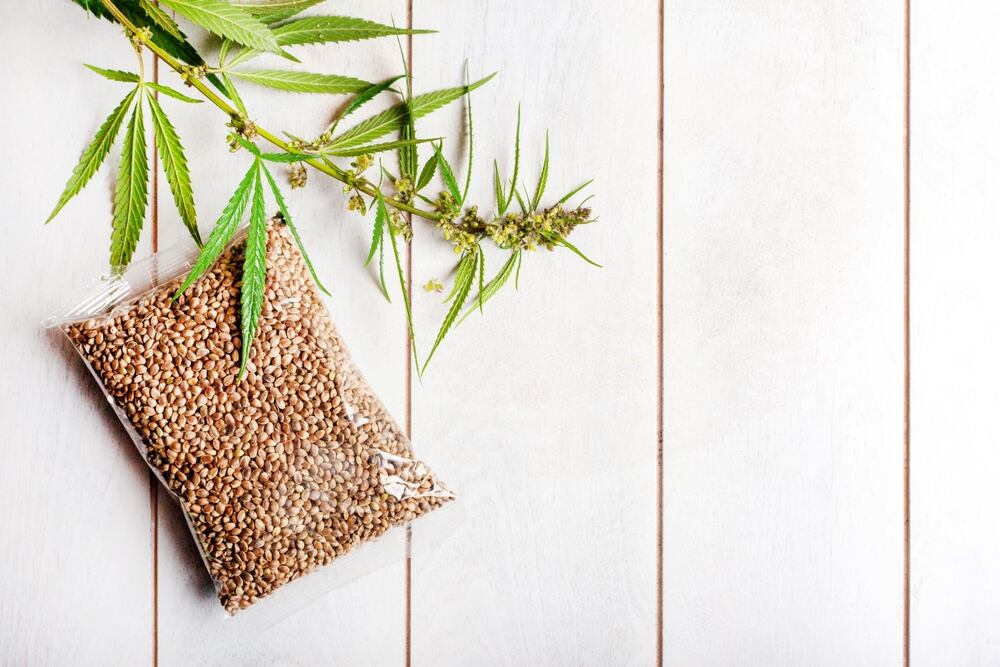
x: 278, y: 474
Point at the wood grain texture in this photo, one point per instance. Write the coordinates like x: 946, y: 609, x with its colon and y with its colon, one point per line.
x: 542, y: 412
x: 363, y: 622
x: 955, y: 321
x: 75, y: 553
x: 783, y: 333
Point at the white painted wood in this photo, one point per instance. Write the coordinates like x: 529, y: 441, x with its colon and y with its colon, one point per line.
x: 783, y: 333
x: 542, y: 413
x: 362, y: 623
x: 955, y: 458
x: 75, y: 556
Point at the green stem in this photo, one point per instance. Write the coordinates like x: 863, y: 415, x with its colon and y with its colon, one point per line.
x: 329, y: 170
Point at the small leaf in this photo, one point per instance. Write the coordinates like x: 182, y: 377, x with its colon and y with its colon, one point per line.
x: 466, y: 265
x: 463, y: 284
x: 427, y: 173
x: 488, y: 291
x: 573, y: 192
x: 374, y: 148
x: 542, y: 178
x: 248, y: 145
x: 175, y: 166
x: 520, y: 201
x: 225, y: 20
x: 390, y: 119
x: 232, y: 93
x: 114, y: 74
x: 380, y: 202
x: 561, y: 240
x: 364, y: 97
x: 254, y: 274
x: 377, y: 230
x: 482, y: 271
x: 272, y: 12
x: 287, y: 217
x: 323, y: 29
x: 498, y: 190
x: 161, y: 18
x: 517, y: 274
x: 517, y: 164
x: 468, y: 167
x: 130, y: 192
x: 170, y: 92
x: 447, y: 175
x: 303, y: 82
x: 94, y: 154
x: 225, y: 226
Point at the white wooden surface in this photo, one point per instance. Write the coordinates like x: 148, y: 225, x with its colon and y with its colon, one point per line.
x: 781, y: 330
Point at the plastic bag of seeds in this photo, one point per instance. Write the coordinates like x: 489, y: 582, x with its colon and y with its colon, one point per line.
x: 279, y: 473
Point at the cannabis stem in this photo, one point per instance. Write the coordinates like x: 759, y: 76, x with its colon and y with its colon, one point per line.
x: 209, y: 94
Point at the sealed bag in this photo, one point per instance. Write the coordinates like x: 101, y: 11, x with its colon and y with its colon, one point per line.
x: 278, y: 473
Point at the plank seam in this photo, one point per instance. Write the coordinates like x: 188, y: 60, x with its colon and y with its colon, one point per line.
x: 906, y: 333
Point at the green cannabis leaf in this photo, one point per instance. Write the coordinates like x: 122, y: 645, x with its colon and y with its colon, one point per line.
x: 94, y: 154
x: 175, y: 167
x: 254, y: 272
x: 389, y: 120
x: 302, y: 82
x: 324, y: 29
x: 130, y: 192
x: 287, y: 219
x: 227, y: 21
x: 273, y: 12
x: 464, y: 275
x: 224, y: 229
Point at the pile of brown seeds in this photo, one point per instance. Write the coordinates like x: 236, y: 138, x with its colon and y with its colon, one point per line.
x: 278, y: 473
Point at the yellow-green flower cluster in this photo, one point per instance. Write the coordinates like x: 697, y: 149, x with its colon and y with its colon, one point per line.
x: 297, y: 175
x: 527, y: 232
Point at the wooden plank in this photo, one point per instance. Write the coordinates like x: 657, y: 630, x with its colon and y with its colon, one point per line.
x: 363, y: 622
x: 783, y: 333
x: 75, y: 558
x: 955, y: 318
x: 542, y: 413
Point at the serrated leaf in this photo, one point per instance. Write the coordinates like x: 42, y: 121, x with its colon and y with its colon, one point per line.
x: 517, y: 165
x: 94, y: 154
x: 573, y: 192
x: 461, y: 294
x: 247, y: 145
x: 468, y: 167
x: 466, y: 265
x: 543, y: 177
x: 225, y: 226
x: 175, y: 166
x: 303, y: 82
x: 380, y: 202
x: 517, y: 273
x: 130, y: 192
x: 280, y: 201
x: 324, y: 29
x: 498, y: 190
x: 482, y: 272
x: 488, y: 291
x: 427, y: 173
x: 161, y: 18
x: 254, y: 274
x: 114, y: 74
x: 364, y: 97
x: 377, y: 230
x: 447, y: 175
x: 374, y: 148
x: 225, y: 20
x: 170, y: 92
x: 232, y: 93
x: 520, y: 201
x: 561, y: 240
x: 390, y: 120
x: 272, y: 12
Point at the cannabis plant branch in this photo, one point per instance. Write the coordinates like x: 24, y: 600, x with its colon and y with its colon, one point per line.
x: 247, y: 29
